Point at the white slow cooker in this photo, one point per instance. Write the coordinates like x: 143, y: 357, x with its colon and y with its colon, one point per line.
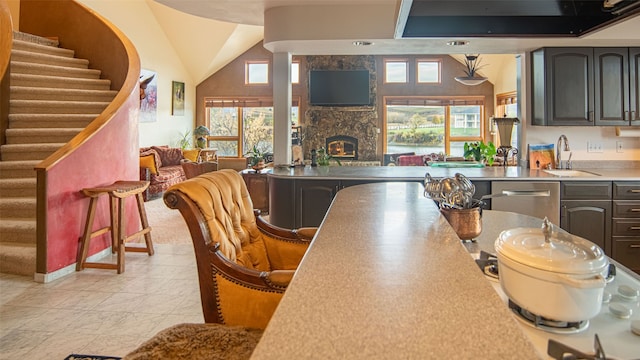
x: 552, y: 274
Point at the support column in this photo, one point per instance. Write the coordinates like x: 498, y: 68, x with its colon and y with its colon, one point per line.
x: 282, y: 108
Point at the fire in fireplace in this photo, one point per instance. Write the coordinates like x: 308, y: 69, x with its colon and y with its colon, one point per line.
x: 342, y: 147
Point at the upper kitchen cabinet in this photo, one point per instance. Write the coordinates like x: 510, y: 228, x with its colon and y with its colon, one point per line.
x: 585, y: 86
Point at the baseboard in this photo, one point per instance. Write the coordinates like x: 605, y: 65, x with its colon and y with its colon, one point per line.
x: 70, y: 269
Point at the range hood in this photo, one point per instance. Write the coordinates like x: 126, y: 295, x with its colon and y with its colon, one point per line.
x: 510, y: 18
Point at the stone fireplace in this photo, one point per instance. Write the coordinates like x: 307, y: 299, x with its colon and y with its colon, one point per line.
x: 342, y: 147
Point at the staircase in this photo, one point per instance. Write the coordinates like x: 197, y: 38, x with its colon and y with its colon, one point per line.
x: 53, y: 96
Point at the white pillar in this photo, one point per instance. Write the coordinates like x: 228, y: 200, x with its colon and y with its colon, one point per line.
x: 282, y: 108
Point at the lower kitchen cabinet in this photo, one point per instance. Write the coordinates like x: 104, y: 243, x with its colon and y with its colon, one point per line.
x: 589, y: 219
x: 626, y: 224
x: 313, y: 198
x: 258, y: 187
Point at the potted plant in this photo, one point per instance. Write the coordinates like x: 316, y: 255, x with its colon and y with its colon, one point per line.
x: 185, y: 140
x: 256, y: 158
x: 201, y: 133
x: 323, y: 157
x: 479, y: 151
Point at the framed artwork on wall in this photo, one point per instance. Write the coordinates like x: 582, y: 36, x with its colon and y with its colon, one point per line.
x: 177, y: 98
x: 148, y: 95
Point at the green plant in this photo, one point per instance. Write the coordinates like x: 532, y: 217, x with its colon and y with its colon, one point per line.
x: 480, y: 151
x: 185, y: 140
x: 201, y: 133
x: 323, y: 158
x: 472, y: 64
x: 255, y: 156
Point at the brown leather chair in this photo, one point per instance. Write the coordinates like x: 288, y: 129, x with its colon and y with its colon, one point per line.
x: 244, y: 263
x: 192, y: 169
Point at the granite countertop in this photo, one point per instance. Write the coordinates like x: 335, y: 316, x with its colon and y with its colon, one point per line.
x: 413, y: 173
x: 396, y: 284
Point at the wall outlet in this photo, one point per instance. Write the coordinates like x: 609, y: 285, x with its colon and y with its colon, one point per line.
x: 619, y: 147
x: 594, y: 147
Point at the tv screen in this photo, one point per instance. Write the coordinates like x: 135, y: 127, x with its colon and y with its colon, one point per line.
x: 339, y: 87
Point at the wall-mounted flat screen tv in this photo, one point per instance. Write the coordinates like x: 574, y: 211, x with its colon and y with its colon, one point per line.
x: 339, y: 87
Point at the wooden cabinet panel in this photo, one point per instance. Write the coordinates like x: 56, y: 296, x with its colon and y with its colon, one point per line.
x: 626, y: 250
x: 258, y: 186
x: 634, y: 85
x: 282, y: 202
x: 611, y: 74
x: 589, y: 219
x: 626, y: 190
x: 626, y: 209
x: 626, y: 227
x: 585, y: 190
x: 313, y: 198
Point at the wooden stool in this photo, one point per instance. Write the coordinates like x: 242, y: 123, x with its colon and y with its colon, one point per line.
x: 118, y: 192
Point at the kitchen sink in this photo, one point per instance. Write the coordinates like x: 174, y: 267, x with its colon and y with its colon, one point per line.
x: 570, y: 173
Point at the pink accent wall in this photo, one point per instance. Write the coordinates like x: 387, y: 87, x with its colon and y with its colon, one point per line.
x: 94, y: 163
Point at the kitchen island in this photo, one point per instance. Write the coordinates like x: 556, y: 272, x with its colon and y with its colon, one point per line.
x: 395, y: 284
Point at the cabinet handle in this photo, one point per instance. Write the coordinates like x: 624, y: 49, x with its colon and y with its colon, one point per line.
x: 635, y: 191
x: 626, y: 116
x: 634, y: 228
x: 590, y: 115
x: 634, y: 210
x: 635, y: 246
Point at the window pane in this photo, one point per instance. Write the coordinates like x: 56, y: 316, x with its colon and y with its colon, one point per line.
x: 258, y: 73
x: 415, y: 128
x: 456, y: 148
x: 396, y: 72
x: 223, y: 121
x: 225, y: 147
x: 258, y: 128
x: 294, y: 116
x: 428, y: 71
x: 295, y: 73
x: 465, y: 120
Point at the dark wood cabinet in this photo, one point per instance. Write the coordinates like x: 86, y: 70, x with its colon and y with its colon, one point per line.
x: 626, y: 224
x: 586, y: 211
x: 258, y: 186
x: 313, y: 198
x: 562, y: 86
x: 585, y: 86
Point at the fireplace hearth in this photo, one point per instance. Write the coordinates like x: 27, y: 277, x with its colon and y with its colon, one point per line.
x: 342, y: 147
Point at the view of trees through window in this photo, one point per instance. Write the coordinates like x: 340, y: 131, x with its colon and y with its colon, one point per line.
x: 234, y: 128
x: 426, y: 129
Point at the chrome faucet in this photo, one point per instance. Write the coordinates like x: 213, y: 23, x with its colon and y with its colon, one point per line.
x: 559, y: 152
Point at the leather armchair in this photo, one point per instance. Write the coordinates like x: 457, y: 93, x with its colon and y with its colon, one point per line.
x: 192, y: 169
x: 244, y: 263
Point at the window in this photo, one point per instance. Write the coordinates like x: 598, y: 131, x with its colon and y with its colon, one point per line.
x: 395, y: 71
x: 427, y: 125
x: 295, y: 72
x: 428, y: 71
x: 257, y: 72
x: 237, y: 125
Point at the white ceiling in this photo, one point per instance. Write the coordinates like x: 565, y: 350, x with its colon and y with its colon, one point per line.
x: 329, y: 27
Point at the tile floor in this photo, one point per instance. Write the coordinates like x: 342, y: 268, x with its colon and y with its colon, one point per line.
x: 97, y: 311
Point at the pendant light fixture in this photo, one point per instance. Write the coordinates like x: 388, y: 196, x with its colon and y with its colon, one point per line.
x: 472, y: 64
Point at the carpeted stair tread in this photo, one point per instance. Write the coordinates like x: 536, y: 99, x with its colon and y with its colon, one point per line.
x: 17, y: 258
x: 42, y: 93
x: 59, y: 82
x: 18, y: 187
x: 22, y: 231
x: 48, y: 59
x: 56, y: 107
x: 34, y: 39
x: 14, y: 152
x: 35, y: 136
x: 18, y: 169
x: 18, y: 207
x: 20, y: 67
x: 27, y: 121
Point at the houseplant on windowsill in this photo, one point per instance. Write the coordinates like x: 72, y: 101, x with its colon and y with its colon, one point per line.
x: 479, y: 151
x: 256, y: 158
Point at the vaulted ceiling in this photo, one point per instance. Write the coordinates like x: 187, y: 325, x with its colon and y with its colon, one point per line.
x: 220, y: 30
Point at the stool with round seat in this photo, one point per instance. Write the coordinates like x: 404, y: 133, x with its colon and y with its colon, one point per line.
x: 118, y: 192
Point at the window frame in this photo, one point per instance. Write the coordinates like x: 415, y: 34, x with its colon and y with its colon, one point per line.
x: 396, y: 60
x: 428, y: 60
x: 247, y: 75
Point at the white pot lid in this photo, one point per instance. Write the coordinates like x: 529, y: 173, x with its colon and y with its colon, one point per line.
x: 563, y: 253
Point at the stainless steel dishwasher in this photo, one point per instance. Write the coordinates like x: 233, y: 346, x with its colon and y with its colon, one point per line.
x: 535, y: 198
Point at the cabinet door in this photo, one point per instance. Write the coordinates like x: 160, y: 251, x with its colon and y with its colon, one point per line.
x: 313, y: 198
x: 588, y: 219
x: 626, y: 250
x: 634, y: 85
x: 569, y: 86
x: 611, y: 74
x: 282, y: 202
x: 258, y: 187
